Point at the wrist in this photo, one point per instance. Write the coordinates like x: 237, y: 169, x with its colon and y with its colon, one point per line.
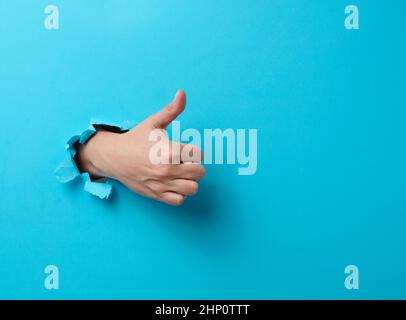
x: 93, y: 156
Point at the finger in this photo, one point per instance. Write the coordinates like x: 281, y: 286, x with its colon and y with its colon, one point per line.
x: 169, y: 113
x: 191, y: 153
x: 175, y: 152
x: 186, y: 153
x: 183, y: 186
x: 189, y: 171
x: 172, y: 198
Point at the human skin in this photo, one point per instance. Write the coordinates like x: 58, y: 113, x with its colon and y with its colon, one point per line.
x: 126, y: 157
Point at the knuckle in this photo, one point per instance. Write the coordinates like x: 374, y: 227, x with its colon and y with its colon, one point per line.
x: 164, y: 171
x: 166, y: 157
x: 202, y: 172
x: 169, y: 112
x: 174, y: 155
x: 154, y: 185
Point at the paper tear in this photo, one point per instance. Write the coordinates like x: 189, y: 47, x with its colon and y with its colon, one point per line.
x: 99, y: 189
x: 67, y: 171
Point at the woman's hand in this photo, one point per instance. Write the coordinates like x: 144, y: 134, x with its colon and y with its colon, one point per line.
x: 127, y: 158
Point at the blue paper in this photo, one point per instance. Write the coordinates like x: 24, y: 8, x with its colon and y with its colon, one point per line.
x: 67, y: 171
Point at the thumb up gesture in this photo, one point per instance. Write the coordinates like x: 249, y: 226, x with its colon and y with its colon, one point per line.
x: 144, y: 159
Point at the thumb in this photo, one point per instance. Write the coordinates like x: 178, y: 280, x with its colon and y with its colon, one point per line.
x: 169, y: 113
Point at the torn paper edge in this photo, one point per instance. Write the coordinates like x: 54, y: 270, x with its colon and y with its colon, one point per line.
x: 67, y: 171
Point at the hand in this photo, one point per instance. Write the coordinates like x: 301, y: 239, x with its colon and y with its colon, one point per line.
x: 126, y: 158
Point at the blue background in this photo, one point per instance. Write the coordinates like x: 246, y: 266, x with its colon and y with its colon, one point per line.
x: 329, y: 107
